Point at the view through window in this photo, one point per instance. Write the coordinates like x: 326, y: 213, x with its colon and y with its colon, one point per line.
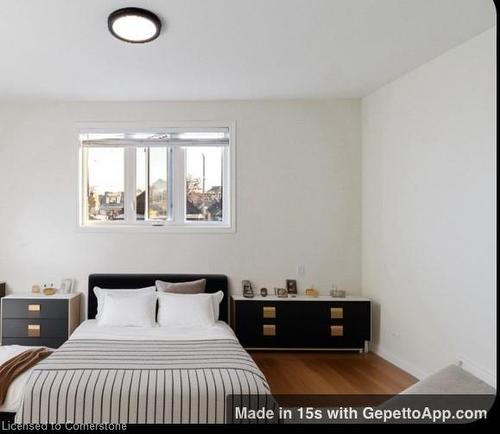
x: 106, y: 184
x: 135, y: 178
x: 204, y: 184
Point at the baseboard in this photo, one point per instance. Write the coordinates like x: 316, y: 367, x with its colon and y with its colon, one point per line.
x: 400, y: 363
x: 467, y: 364
x: 478, y: 371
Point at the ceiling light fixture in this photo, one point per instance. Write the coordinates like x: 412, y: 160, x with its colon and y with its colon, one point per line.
x: 134, y: 25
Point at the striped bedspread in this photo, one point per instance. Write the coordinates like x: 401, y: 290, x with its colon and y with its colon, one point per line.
x: 117, y: 381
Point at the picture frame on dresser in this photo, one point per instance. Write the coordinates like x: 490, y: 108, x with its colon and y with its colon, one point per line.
x: 38, y: 320
x: 302, y: 323
x: 291, y: 287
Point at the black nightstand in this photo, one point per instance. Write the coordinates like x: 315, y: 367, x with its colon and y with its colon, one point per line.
x: 302, y: 322
x: 39, y: 320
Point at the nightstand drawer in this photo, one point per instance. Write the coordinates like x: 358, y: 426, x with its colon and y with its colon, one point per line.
x: 34, y: 328
x: 34, y: 308
x: 35, y: 342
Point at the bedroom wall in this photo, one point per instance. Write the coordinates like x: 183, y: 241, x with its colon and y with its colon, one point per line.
x: 298, y: 197
x: 429, y: 212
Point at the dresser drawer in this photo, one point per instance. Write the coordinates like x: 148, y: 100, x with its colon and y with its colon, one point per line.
x: 35, y: 342
x: 272, y: 324
x: 281, y: 311
x: 34, y: 308
x: 34, y: 328
x: 356, y: 318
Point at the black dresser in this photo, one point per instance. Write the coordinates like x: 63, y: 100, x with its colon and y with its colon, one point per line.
x: 39, y: 320
x: 302, y: 322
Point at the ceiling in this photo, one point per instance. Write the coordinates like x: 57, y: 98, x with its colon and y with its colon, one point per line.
x: 61, y: 50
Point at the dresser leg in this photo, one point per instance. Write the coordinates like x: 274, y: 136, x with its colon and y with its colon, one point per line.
x: 365, y: 349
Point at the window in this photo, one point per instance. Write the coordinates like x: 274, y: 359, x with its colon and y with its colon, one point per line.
x: 170, y: 178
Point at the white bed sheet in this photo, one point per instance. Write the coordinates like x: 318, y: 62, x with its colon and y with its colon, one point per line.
x: 91, y: 330
x: 15, y: 392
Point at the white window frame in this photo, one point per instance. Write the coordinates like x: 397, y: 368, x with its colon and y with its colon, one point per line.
x: 176, y: 222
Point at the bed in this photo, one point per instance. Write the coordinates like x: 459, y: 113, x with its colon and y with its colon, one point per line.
x: 137, y: 375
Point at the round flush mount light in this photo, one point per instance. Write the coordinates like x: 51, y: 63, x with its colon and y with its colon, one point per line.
x: 134, y: 25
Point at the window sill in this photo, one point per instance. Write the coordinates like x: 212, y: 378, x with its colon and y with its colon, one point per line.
x: 163, y: 229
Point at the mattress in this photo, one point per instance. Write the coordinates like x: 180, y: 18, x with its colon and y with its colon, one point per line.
x: 141, y: 375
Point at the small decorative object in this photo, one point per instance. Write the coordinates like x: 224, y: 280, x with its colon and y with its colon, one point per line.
x: 35, y: 289
x: 312, y: 292
x: 334, y: 292
x: 291, y: 287
x: 247, y: 289
x: 263, y: 292
x: 66, y: 286
x: 49, y: 290
x: 282, y: 292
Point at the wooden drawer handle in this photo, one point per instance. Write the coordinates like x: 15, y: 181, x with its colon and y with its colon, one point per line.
x: 269, y: 330
x: 34, y: 330
x: 336, y: 312
x: 337, y: 330
x: 269, y: 312
x: 34, y: 307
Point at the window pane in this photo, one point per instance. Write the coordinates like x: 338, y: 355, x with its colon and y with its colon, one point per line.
x: 140, y: 183
x: 105, y: 183
x: 157, y: 197
x: 204, y: 183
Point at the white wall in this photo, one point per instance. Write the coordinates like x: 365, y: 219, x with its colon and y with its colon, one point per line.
x: 298, y: 197
x: 429, y: 211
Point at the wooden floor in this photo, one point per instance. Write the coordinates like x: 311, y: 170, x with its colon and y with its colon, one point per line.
x: 311, y: 373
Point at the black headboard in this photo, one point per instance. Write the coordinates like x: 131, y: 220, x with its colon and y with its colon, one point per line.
x: 215, y: 282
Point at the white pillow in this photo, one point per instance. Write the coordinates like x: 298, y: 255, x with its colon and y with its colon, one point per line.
x: 188, y: 310
x: 100, y: 292
x: 217, y: 297
x: 128, y: 309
